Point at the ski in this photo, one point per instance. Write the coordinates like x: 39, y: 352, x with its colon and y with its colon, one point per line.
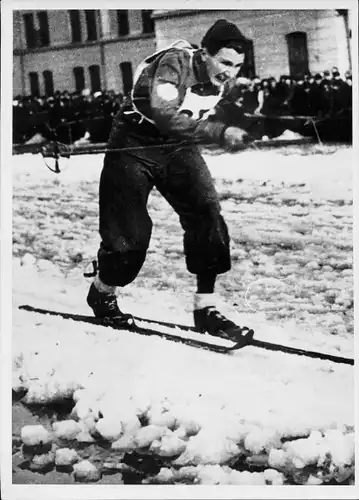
x: 269, y: 346
x: 247, y: 340
x: 242, y: 341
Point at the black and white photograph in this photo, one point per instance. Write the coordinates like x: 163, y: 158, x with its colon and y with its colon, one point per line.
x: 177, y: 234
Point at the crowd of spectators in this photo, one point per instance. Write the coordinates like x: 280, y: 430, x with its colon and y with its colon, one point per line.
x: 71, y: 116
x: 320, y: 95
x: 66, y: 115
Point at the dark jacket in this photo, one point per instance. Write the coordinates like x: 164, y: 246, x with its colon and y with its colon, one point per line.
x: 165, y: 82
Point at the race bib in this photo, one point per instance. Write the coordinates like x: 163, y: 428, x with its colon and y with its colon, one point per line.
x: 199, y: 107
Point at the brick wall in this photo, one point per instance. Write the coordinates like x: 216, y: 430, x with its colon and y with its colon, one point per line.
x: 16, y: 77
x: 61, y: 57
x: 61, y: 63
x: 133, y: 51
x: 325, y: 35
x: 60, y: 28
x: 327, y: 45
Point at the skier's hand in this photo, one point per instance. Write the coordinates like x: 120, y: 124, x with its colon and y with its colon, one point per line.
x: 235, y: 138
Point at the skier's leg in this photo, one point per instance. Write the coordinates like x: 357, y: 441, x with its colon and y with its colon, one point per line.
x: 125, y: 225
x: 125, y: 229
x: 187, y: 185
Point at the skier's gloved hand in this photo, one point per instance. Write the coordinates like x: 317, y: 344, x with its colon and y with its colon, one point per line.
x: 235, y: 138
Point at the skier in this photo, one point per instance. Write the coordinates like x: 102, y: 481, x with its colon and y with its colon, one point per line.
x: 145, y: 153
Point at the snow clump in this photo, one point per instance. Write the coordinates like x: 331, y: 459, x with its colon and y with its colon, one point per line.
x: 35, y: 435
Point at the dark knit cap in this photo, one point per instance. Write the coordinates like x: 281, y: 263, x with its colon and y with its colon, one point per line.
x: 222, y: 34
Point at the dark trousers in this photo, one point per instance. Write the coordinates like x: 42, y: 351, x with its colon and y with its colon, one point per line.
x: 182, y: 177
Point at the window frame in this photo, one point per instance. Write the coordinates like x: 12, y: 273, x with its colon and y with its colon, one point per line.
x: 75, y: 18
x: 123, y: 14
x: 297, y: 68
x: 43, y: 33
x: 34, y: 74
x: 147, y: 20
x: 48, y: 74
x: 30, y: 30
x: 93, y: 73
x: 88, y: 16
x: 249, y: 66
x: 124, y: 73
x: 76, y: 71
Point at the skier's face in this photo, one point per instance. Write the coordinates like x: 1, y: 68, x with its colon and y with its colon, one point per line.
x: 224, y: 65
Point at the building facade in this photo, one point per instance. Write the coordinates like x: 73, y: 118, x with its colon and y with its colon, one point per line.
x: 288, y: 42
x: 76, y: 49
x: 100, y: 49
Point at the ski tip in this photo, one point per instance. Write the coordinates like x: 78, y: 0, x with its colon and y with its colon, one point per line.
x: 242, y: 340
x: 249, y: 335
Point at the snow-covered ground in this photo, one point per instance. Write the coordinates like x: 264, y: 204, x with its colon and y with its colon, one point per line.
x: 252, y: 417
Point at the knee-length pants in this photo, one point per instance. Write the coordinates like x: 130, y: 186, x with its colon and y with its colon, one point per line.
x: 181, y: 175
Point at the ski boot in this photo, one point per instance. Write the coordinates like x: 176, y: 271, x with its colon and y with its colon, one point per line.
x: 105, y: 307
x: 210, y: 320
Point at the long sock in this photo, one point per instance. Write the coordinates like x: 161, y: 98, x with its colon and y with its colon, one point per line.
x: 102, y: 287
x: 205, y: 296
x: 206, y: 282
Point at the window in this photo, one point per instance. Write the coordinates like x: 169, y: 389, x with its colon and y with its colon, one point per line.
x: 48, y: 82
x: 127, y: 80
x: 34, y: 84
x: 30, y: 32
x: 91, y: 24
x: 122, y: 22
x: 75, y: 22
x: 95, y: 78
x: 148, y: 25
x: 297, y: 54
x: 79, y: 75
x: 43, y: 33
x: 248, y: 69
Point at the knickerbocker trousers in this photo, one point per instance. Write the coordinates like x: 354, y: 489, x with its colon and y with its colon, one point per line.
x: 181, y: 175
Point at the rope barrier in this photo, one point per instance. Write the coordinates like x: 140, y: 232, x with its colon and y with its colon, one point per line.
x: 57, y: 150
